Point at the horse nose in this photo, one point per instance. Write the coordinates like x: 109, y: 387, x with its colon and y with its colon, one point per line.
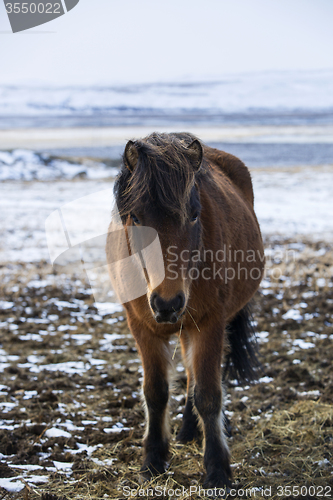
x: 159, y: 304
x: 166, y: 311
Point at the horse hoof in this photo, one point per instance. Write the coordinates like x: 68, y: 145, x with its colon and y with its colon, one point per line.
x: 186, y: 435
x: 217, y: 481
x: 184, y: 438
x: 149, y: 470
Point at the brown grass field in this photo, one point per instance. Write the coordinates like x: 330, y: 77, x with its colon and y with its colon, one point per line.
x: 65, y: 367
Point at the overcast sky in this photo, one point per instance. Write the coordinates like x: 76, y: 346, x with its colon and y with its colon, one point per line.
x: 131, y: 41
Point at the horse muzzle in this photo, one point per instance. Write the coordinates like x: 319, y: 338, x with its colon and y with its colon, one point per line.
x: 167, y: 311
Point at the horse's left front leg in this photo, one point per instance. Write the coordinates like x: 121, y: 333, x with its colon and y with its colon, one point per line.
x: 207, y: 359
x: 155, y: 358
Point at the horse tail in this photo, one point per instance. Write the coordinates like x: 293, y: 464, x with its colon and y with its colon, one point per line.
x: 242, y: 362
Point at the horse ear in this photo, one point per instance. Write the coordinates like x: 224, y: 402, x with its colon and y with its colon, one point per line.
x: 196, y: 154
x: 131, y: 156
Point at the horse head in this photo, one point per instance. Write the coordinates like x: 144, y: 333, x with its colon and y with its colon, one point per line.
x: 158, y: 187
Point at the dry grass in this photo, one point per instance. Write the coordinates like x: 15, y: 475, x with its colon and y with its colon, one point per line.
x: 282, y: 427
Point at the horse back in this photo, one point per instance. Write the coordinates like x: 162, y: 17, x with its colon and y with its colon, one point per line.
x: 233, y: 168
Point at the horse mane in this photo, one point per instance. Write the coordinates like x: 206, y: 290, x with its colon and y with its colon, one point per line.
x: 163, y: 177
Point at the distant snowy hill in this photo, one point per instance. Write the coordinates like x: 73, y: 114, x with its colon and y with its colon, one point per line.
x: 268, y: 98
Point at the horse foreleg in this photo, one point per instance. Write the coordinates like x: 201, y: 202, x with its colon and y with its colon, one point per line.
x: 155, y: 359
x: 207, y: 358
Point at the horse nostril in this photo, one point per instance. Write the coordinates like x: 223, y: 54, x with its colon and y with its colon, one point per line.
x: 181, y: 301
x: 173, y: 318
x: 158, y: 318
x: 153, y: 300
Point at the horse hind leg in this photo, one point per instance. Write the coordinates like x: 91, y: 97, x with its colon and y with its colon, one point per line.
x: 190, y: 426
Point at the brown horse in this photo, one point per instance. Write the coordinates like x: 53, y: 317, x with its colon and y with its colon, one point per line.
x: 199, y: 200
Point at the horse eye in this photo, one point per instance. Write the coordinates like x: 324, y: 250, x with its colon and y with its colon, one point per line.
x: 194, y: 217
x: 135, y: 219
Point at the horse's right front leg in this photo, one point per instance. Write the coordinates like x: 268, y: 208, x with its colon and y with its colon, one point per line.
x: 155, y: 358
x: 207, y: 359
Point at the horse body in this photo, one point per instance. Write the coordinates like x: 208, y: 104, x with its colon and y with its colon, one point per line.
x: 200, y: 201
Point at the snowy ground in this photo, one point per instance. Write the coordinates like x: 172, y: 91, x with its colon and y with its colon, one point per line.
x: 26, y: 165
x: 80, y: 137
